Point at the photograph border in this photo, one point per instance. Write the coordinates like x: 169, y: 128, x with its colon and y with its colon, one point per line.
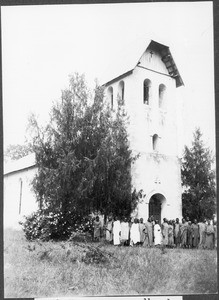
x: 216, y: 73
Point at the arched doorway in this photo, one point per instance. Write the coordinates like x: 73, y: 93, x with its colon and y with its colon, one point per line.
x: 155, y: 206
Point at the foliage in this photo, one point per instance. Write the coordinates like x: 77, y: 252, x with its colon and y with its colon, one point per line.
x: 46, y: 225
x: 83, y: 155
x: 14, y: 152
x: 198, y: 179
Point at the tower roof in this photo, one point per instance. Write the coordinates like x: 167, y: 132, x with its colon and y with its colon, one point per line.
x: 129, y: 61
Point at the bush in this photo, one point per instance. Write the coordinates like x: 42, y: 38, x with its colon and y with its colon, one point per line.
x: 54, y: 225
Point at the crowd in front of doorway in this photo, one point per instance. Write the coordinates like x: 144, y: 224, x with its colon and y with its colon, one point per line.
x: 171, y: 233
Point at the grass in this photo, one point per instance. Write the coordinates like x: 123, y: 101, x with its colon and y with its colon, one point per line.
x: 52, y: 269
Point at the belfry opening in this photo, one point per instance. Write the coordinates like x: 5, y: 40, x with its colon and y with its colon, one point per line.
x: 155, y: 206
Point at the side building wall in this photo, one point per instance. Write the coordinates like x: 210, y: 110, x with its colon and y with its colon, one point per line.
x: 19, y: 198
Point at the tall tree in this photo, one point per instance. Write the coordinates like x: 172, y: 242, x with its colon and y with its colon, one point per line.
x: 198, y: 180
x: 83, y: 155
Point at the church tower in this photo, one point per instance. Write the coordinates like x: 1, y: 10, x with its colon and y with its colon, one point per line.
x: 148, y: 87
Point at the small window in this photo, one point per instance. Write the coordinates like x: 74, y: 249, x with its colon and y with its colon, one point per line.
x: 162, y: 94
x: 155, y: 142
x: 146, y: 91
x: 121, y: 90
x: 20, y: 196
x: 110, y: 96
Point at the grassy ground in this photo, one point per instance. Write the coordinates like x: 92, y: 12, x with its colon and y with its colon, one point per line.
x: 56, y: 269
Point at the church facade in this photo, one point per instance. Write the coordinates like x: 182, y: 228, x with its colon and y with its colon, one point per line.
x: 148, y: 89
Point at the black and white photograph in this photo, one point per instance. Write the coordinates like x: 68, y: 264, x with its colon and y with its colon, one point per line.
x: 109, y: 177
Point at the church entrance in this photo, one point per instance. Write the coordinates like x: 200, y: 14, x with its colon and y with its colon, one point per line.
x: 155, y: 206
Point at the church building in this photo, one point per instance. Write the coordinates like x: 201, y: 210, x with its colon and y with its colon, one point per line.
x: 147, y: 84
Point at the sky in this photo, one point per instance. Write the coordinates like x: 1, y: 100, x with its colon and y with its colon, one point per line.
x: 42, y: 45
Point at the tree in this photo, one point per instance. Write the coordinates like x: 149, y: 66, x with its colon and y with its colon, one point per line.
x: 14, y: 152
x: 198, y: 180
x: 83, y: 156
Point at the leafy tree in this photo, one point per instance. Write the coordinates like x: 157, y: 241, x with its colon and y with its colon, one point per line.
x: 198, y: 180
x: 83, y: 157
x: 14, y: 152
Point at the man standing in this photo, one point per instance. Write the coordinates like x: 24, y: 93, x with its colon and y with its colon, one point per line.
x: 165, y: 229
x: 187, y: 224
x: 116, y: 231
x: 177, y: 232
x: 135, y: 233
x: 97, y: 226
x: 153, y: 223
x: 201, y: 228
x: 170, y: 235
x: 109, y: 229
x: 149, y: 233
x: 157, y: 234
x: 183, y: 234
x: 189, y: 234
x: 124, y: 232
x: 209, y: 238
x: 215, y: 234
x: 195, y: 234
x: 141, y: 230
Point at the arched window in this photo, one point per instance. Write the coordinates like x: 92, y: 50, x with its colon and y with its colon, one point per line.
x: 162, y: 92
x: 110, y: 96
x: 146, y: 91
x: 121, y: 90
x: 155, y: 142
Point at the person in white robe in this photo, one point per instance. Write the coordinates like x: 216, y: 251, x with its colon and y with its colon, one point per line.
x: 116, y: 231
x: 157, y: 234
x: 135, y: 233
x: 124, y: 231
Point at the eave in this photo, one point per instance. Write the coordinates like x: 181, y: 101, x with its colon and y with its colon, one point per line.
x: 118, y: 78
x: 169, y: 62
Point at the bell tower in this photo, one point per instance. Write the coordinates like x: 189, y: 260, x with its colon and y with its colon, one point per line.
x: 149, y: 92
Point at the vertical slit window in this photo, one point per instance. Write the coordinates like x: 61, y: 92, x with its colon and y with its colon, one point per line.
x: 110, y: 96
x: 146, y: 91
x: 121, y: 90
x: 21, y: 186
x: 155, y: 142
x: 162, y: 94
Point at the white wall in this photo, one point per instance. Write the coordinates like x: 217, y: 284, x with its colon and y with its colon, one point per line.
x: 12, y: 194
x: 159, y: 174
x: 147, y: 120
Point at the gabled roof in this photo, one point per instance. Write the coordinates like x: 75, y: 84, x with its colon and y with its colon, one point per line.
x: 23, y: 163
x: 131, y: 56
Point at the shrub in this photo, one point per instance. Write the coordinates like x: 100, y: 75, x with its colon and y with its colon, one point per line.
x: 54, y: 225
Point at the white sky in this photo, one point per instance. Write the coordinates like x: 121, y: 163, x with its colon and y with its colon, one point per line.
x: 42, y: 45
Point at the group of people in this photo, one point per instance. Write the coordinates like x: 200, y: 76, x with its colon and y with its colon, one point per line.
x: 170, y: 234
